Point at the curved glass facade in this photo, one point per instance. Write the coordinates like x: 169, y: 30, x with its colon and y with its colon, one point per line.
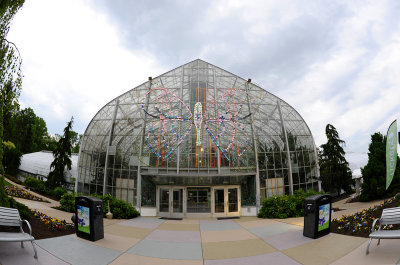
x: 202, y: 128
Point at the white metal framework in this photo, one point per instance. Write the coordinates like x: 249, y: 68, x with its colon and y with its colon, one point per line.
x: 197, y: 126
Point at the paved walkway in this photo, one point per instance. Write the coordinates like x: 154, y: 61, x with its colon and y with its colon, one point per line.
x: 248, y: 240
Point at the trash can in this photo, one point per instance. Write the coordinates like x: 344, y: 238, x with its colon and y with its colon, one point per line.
x: 89, y: 218
x: 317, y: 215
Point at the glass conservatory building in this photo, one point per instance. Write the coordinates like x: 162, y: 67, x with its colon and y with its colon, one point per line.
x: 197, y: 141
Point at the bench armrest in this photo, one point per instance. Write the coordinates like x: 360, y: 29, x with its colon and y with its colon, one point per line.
x: 28, y: 224
x: 373, y: 224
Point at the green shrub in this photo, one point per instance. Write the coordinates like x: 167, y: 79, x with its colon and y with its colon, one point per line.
x: 59, y: 191
x: 36, y: 185
x: 119, y: 208
x: 285, y: 206
x: 67, y: 202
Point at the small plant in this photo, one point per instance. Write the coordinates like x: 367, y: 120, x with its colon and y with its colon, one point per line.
x: 67, y: 202
x: 58, y: 192
x: 285, y: 206
x: 119, y: 208
x: 20, y: 193
x: 53, y: 223
x: 36, y: 185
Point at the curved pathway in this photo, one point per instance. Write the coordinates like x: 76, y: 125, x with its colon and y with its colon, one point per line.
x: 248, y: 240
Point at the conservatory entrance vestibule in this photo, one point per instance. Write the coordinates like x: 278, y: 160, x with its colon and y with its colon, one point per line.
x: 198, y: 201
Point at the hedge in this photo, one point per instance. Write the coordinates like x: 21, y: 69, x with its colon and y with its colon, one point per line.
x: 119, y: 208
x: 285, y: 206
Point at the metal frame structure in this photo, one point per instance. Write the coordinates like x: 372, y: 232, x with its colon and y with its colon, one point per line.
x: 248, y: 137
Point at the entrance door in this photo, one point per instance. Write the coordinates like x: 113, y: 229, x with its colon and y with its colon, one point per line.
x: 170, y: 201
x: 226, y: 201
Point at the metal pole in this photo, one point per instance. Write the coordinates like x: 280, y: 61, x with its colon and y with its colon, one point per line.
x: 108, y: 146
x: 258, y: 195
x: 287, y: 149
x: 139, y: 176
x: 180, y: 126
x: 216, y: 110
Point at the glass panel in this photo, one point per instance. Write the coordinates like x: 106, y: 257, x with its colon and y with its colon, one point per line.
x: 177, y: 200
x: 164, y: 200
x: 198, y: 200
x: 219, y: 200
x: 233, y: 200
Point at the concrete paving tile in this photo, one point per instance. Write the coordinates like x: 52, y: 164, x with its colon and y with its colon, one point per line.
x: 140, y: 224
x: 129, y: 259
x: 183, y: 221
x: 235, y: 249
x: 228, y: 235
x: 299, y: 221
x: 273, y: 229
x: 76, y: 251
x: 167, y: 250
x: 118, y: 243
x: 386, y: 253
x: 246, y: 219
x: 127, y: 231
x: 258, y: 223
x: 324, y: 250
x: 11, y: 253
x: 179, y: 227
x: 287, y: 240
x: 156, y: 220
x: 175, y: 236
x: 108, y: 222
x: 275, y: 258
x: 219, y: 226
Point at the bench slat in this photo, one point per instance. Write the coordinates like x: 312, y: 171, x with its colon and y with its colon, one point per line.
x: 15, y: 237
x: 9, y: 223
x: 386, y: 234
x: 10, y: 215
x: 11, y: 210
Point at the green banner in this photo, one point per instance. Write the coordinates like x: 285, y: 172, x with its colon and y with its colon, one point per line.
x: 391, y: 152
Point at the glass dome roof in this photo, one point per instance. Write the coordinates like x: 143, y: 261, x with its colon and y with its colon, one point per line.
x: 196, y: 125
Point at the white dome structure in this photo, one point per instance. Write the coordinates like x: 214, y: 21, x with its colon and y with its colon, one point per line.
x: 197, y: 141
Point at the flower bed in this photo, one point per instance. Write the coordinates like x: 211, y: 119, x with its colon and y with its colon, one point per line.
x: 53, y: 223
x: 360, y: 223
x: 15, y: 191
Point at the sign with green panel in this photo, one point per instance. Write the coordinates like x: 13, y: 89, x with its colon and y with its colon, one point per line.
x: 391, y: 152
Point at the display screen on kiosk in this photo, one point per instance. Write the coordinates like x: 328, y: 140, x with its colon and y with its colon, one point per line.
x: 323, y: 221
x: 83, y: 219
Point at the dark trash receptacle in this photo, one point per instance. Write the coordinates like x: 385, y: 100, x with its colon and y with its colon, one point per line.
x: 317, y: 215
x: 88, y: 218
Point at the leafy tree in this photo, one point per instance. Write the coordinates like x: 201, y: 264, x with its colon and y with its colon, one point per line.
x: 76, y: 141
x: 30, y: 131
x: 10, y: 77
x: 334, y: 169
x: 62, y: 158
x: 374, y: 173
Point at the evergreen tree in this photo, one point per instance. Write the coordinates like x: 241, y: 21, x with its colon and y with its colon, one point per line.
x: 334, y: 169
x: 374, y: 173
x: 62, y: 158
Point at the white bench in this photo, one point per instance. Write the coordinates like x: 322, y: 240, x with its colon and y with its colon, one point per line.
x: 10, y: 217
x: 390, y: 216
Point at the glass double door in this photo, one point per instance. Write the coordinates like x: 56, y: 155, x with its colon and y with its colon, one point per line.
x: 170, y: 201
x: 226, y: 201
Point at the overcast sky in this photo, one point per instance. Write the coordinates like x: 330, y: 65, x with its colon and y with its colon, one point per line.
x: 335, y: 62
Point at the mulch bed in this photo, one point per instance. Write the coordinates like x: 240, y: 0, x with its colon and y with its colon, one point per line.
x: 39, y: 229
x: 360, y: 223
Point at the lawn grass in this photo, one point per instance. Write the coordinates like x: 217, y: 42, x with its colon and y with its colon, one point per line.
x: 7, y: 183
